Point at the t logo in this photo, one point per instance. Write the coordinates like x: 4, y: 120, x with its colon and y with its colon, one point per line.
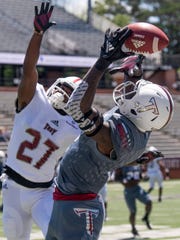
x: 151, y: 106
x: 89, y: 213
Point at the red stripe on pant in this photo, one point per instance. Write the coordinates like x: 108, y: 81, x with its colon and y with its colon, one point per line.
x: 58, y: 195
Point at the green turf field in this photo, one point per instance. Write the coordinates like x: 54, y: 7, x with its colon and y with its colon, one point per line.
x: 165, y: 213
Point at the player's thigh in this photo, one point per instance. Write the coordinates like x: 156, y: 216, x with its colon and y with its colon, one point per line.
x: 152, y: 179
x: 160, y: 179
x: 42, y: 208
x: 130, y: 199
x: 143, y: 196
x: 76, y: 220
x: 16, y: 220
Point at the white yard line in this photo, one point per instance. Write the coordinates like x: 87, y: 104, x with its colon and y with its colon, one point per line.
x: 123, y: 232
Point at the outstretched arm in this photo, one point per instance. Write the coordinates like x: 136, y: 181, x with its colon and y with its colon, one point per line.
x: 110, y: 51
x: 29, y: 80
x: 82, y: 98
x: 79, y: 105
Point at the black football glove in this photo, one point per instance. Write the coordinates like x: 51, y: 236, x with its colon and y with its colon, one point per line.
x: 157, y: 154
x: 143, y: 159
x: 41, y: 19
x: 149, y: 156
x: 113, y: 41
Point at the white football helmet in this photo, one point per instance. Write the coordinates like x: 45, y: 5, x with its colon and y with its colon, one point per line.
x: 152, y: 149
x: 149, y: 106
x: 57, y: 95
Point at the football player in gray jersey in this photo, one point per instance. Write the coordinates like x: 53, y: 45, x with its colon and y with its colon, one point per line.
x: 107, y: 142
x: 130, y: 177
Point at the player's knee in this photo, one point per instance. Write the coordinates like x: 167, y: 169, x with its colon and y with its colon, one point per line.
x: 149, y: 203
x: 13, y: 229
x: 10, y: 230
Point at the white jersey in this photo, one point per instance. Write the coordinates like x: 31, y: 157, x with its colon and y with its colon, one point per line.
x: 39, y: 138
x: 153, y: 166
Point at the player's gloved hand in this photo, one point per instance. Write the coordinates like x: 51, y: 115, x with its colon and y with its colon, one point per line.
x: 131, y: 66
x: 41, y: 19
x: 143, y: 159
x: 157, y: 154
x: 113, y: 41
x: 149, y: 156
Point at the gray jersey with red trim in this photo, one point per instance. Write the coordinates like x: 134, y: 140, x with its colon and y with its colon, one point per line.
x: 84, y: 169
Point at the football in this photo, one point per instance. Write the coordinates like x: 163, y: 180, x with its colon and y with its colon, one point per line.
x: 145, y: 39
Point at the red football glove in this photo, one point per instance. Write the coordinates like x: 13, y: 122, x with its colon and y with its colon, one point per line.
x: 41, y: 19
x: 131, y: 66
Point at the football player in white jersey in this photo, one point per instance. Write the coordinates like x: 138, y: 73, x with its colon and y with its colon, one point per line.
x: 107, y: 142
x: 40, y: 135
x: 155, y: 170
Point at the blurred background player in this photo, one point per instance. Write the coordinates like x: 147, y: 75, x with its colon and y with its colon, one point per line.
x: 40, y: 135
x: 2, y: 162
x: 130, y: 177
x: 156, y: 170
x: 103, y: 193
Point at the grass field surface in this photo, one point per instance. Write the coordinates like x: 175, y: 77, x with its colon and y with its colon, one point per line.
x: 165, y: 216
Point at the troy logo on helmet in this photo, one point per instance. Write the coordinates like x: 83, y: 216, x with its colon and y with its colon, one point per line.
x: 152, y: 106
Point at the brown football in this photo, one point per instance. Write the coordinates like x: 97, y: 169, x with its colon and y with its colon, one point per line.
x: 145, y: 39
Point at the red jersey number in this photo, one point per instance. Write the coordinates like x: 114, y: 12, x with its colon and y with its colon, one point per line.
x: 51, y: 147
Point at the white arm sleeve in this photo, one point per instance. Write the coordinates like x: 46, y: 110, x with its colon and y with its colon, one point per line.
x: 73, y: 109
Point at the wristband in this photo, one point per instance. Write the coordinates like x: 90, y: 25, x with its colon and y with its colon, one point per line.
x: 38, y: 33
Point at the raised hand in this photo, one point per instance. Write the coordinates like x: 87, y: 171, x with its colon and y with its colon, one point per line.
x: 113, y: 41
x: 149, y: 156
x: 157, y: 154
x: 131, y: 66
x: 41, y: 19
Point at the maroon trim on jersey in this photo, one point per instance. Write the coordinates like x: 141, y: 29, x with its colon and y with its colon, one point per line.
x: 58, y: 195
x: 123, y: 135
x: 170, y: 103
